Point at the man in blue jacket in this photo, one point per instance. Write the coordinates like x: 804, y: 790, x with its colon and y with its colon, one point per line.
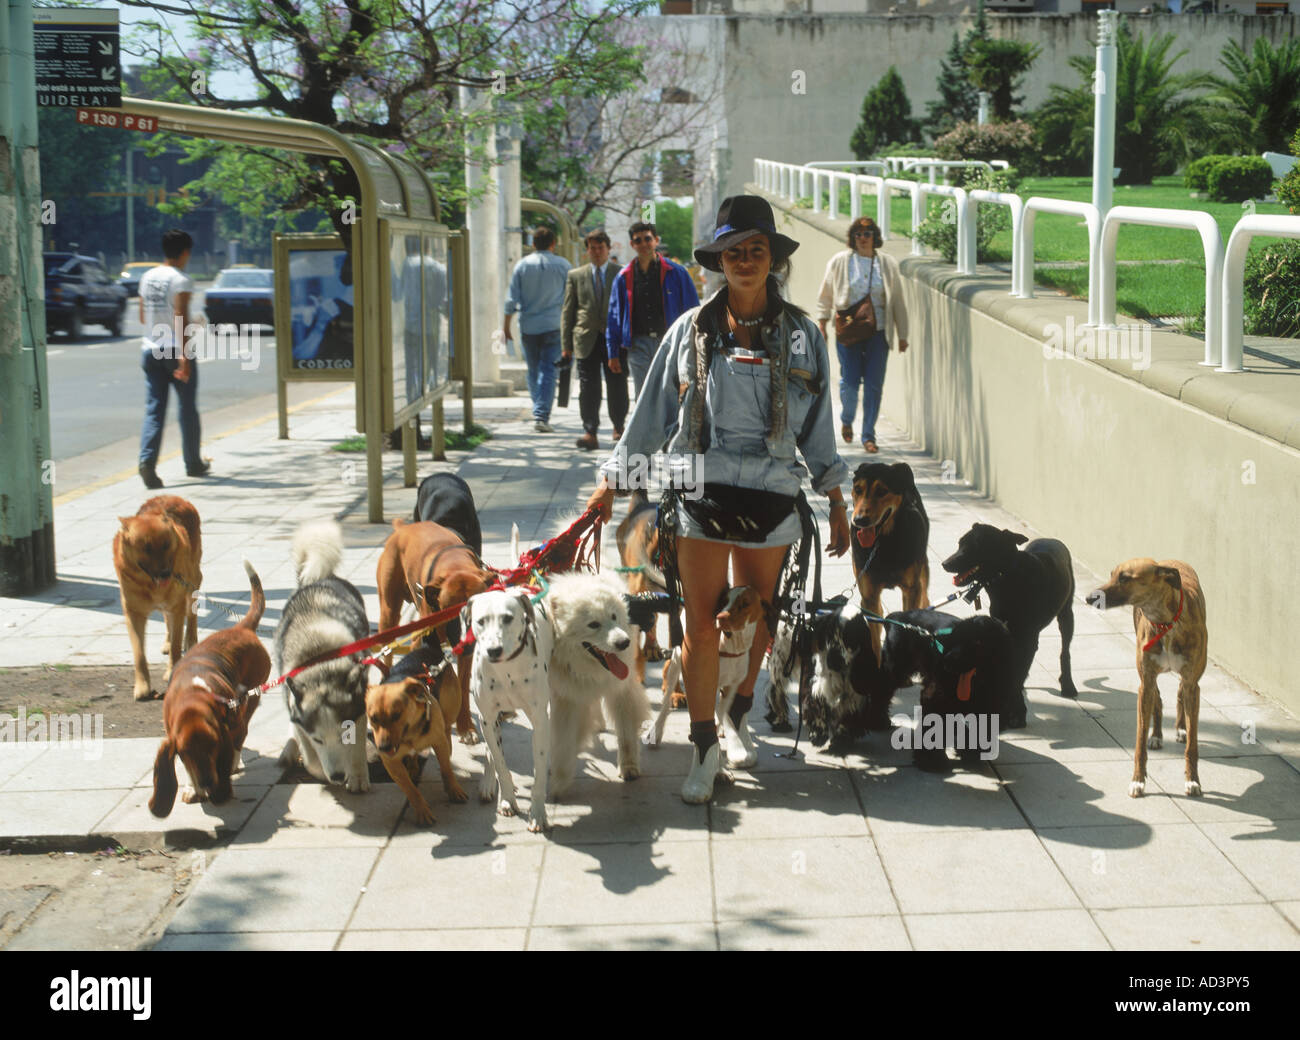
x: 649, y: 294
x: 537, y: 293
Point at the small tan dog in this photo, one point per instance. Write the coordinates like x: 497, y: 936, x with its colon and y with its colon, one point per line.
x: 413, y: 709
x: 156, y: 554
x: 1169, y: 616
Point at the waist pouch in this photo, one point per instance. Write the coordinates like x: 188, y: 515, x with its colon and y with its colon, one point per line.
x: 736, y: 514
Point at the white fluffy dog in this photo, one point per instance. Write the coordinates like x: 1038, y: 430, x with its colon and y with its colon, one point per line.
x: 592, y: 663
x: 513, y: 643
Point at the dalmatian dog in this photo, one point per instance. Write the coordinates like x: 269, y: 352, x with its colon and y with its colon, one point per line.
x: 513, y: 642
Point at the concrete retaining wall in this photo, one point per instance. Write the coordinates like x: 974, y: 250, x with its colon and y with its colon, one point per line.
x: 1094, y: 453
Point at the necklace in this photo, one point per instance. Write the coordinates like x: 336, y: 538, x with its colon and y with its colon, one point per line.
x: 749, y: 323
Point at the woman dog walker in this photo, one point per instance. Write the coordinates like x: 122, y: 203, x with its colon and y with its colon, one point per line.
x: 737, y: 385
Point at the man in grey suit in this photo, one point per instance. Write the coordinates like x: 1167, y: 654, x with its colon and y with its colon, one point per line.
x: 582, y: 334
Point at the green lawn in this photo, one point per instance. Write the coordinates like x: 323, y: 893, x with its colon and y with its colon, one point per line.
x: 1160, y: 290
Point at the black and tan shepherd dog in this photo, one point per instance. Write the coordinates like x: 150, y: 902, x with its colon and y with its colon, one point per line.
x: 891, y: 533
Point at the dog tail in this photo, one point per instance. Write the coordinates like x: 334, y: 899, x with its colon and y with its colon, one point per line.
x: 317, y: 550
x: 257, y: 602
x: 164, y: 780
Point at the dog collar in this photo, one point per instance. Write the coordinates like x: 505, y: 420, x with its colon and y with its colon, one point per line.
x: 1162, y: 627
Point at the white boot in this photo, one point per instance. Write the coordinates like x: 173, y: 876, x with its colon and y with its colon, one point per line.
x: 698, y: 787
x: 741, y: 752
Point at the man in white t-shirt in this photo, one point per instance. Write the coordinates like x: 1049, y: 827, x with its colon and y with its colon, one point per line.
x: 165, y: 293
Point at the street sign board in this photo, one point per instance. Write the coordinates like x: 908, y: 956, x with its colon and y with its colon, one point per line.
x: 77, y: 55
x: 117, y: 120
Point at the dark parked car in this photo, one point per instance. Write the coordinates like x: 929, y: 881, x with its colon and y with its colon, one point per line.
x: 131, y: 273
x: 241, y: 296
x: 78, y: 292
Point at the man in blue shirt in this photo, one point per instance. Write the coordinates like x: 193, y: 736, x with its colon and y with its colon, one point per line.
x: 649, y: 294
x: 537, y: 293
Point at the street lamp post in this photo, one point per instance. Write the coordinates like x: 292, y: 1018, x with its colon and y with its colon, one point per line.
x: 1103, y: 125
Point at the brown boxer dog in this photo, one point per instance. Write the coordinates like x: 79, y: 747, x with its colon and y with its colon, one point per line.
x: 430, y: 566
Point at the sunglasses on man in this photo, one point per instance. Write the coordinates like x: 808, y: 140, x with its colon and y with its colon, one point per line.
x: 641, y: 239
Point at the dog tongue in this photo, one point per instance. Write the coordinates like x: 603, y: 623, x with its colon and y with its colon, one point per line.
x: 963, y: 685
x: 616, y: 666
x: 866, y: 537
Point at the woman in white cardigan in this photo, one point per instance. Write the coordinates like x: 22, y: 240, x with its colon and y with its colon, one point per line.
x: 850, y: 275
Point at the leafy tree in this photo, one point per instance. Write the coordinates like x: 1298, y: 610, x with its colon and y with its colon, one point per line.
x: 388, y: 71
x: 676, y: 229
x: 886, y: 116
x: 1160, y: 115
x: 958, y: 99
x: 1261, y: 93
x: 998, y: 66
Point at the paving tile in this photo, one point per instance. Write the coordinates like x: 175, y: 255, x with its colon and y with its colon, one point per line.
x: 305, y: 941
x: 300, y: 816
x: 1255, y: 788
x: 625, y: 937
x: 811, y: 803
x: 649, y: 809
x: 1141, y: 865
x: 1086, y: 794
x: 884, y: 932
x: 907, y: 800
x: 132, y: 815
x: 800, y: 877
x: 33, y: 814
x: 967, y: 871
x: 450, y: 887
x: 17, y: 755
x: 276, y: 890
x: 86, y: 764
x: 1290, y: 910
x: 1267, y: 854
x: 625, y: 884
x: 1008, y: 930
x: 1246, y: 927
x: 453, y: 940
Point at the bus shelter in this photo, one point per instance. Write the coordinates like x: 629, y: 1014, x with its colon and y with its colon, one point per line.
x: 404, y: 354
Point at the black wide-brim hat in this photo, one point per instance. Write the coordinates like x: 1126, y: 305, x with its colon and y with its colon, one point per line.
x: 741, y: 217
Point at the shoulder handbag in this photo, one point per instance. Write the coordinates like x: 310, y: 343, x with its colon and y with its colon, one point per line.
x: 857, y: 322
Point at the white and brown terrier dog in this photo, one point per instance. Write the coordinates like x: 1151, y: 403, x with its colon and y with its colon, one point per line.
x: 1169, y: 616
x: 740, y: 609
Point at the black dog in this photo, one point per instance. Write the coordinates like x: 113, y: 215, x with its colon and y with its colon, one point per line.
x: 847, y: 696
x: 1027, y: 588
x: 891, y: 532
x: 445, y: 499
x: 966, y: 672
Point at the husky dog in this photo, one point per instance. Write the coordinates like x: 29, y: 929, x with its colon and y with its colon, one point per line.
x: 327, y: 702
x: 591, y: 665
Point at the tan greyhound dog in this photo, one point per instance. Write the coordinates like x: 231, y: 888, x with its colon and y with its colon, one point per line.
x: 1169, y: 616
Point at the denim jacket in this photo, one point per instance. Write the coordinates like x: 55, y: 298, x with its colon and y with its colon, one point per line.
x: 737, y: 416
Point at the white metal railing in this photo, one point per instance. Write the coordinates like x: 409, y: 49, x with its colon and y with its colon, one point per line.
x: 1223, y: 264
x: 965, y: 240
x: 1024, y: 249
x: 1234, y: 262
x: 855, y: 163
x: 1211, y: 243
x: 1017, y: 206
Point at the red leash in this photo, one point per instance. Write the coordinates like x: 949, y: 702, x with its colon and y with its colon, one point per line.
x: 1162, y: 627
x: 575, y: 545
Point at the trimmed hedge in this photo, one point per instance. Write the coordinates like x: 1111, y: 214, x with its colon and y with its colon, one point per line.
x: 1239, y: 178
x: 1199, y: 169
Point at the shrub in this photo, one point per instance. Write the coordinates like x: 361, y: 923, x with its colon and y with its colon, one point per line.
x: 1013, y: 141
x: 1198, y: 169
x: 1271, y: 290
x: 939, y: 230
x: 1288, y: 188
x: 1239, y: 178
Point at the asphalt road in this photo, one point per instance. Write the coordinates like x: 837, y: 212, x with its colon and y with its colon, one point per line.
x: 97, y: 396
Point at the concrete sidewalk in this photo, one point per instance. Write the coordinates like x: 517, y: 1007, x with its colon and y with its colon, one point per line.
x: 1040, y: 848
